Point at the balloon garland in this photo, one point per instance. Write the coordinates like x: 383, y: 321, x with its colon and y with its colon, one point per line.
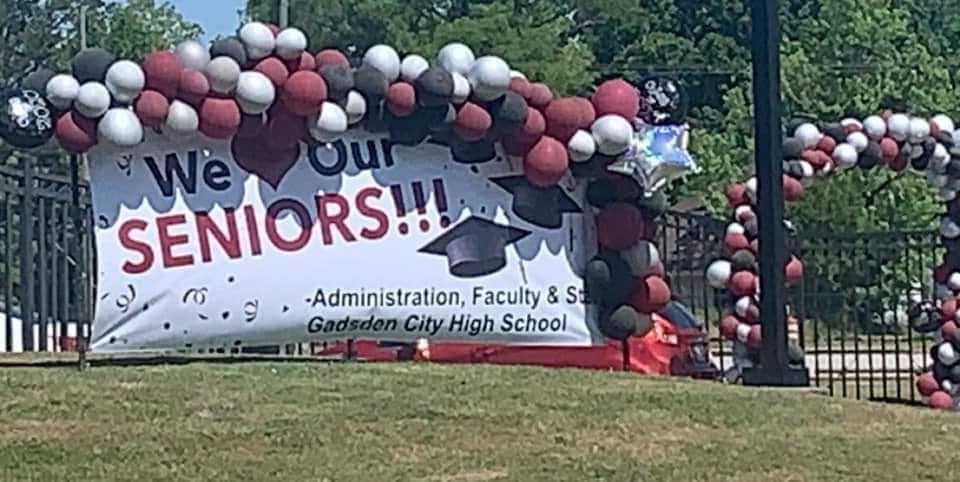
x: 263, y: 91
x: 893, y: 140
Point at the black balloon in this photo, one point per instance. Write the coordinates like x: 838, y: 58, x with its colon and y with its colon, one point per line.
x: 621, y: 323
x: 371, y: 83
x: 792, y: 148
x: 230, y: 47
x: 37, y: 80
x: 870, y: 157
x: 27, y: 118
x: 836, y: 131
x: 662, y: 101
x: 434, y: 87
x: 472, y: 152
x: 743, y: 260
x: 91, y: 64
x: 509, y: 112
x: 406, y: 131
x: 339, y: 80
x: 653, y: 205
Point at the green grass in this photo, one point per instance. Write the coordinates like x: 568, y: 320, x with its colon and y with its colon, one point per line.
x: 396, y: 422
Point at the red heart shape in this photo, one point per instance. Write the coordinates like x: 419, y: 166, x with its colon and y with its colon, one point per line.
x: 254, y: 155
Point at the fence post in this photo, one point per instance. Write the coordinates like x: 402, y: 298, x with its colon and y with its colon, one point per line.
x: 77, y: 214
x: 26, y: 256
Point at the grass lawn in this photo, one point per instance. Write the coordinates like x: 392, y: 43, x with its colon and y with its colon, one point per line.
x: 275, y: 421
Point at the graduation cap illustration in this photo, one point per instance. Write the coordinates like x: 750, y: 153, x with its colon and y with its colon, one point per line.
x: 475, y: 247
x: 540, y: 206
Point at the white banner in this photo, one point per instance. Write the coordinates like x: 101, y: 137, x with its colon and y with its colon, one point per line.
x: 357, y: 239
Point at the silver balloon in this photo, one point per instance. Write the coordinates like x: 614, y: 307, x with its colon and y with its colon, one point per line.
x: 193, y: 55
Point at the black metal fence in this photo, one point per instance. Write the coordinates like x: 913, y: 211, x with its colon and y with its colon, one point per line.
x: 852, y: 302
x: 46, y: 258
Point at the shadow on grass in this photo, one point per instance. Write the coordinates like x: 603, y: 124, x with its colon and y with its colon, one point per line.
x: 155, y: 360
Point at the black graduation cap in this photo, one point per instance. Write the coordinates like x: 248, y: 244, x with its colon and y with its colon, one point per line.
x: 475, y: 247
x: 540, y: 206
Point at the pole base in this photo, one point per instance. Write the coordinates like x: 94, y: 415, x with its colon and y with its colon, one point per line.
x: 789, y: 376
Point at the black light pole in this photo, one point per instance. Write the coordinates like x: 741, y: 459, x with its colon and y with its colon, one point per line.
x: 774, y: 368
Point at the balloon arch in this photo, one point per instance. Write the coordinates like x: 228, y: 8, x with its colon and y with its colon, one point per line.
x: 268, y: 95
x: 893, y: 140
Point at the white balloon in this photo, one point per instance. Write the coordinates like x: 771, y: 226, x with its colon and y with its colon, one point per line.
x: 461, y: 88
x: 953, y: 282
x: 948, y: 228
x: 743, y: 332
x: 330, y: 124
x: 255, y: 92
x: 947, y: 354
x: 290, y: 43
x: 875, y: 127
x: 489, y: 78
x: 939, y: 159
x: 516, y: 74
x: 948, y: 194
x: 612, y: 133
x: 806, y: 169
x: 918, y: 130
x: 943, y: 122
x: 121, y: 127
x: 258, y: 40
x: 223, y: 73
x: 858, y: 140
x: 642, y: 256
x: 845, y: 154
x: 898, y: 125
x: 62, y: 90
x: 182, y: 118
x: 751, y: 186
x: 456, y: 58
x: 412, y: 66
x: 937, y: 180
x: 385, y: 59
x: 581, y: 146
x: 355, y: 106
x: 744, y: 212
x: 808, y: 134
x: 125, y: 80
x: 93, y: 100
x: 193, y: 55
x: 718, y: 273
x: 736, y: 228
x: 742, y: 305
x: 850, y: 122
x: 826, y: 169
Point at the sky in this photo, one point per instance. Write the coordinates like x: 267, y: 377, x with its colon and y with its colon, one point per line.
x: 217, y: 17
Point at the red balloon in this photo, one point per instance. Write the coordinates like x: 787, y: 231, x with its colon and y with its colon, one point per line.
x: 587, y: 113
x: 728, y: 327
x: 76, y: 133
x: 401, y: 99
x: 948, y: 310
x: 472, y: 122
x: 755, y: 246
x: 162, y: 71
x: 284, y: 128
x: 219, y: 118
x: 827, y: 144
x: 888, y: 149
x: 252, y: 125
x: 941, y: 400
x: 331, y: 57
x: 304, y: 93
x: 254, y: 156
x: 926, y: 384
x: 934, y: 130
x: 792, y: 189
x: 304, y: 62
x: 900, y: 162
x: 755, y: 337
x: 793, y: 271
x: 743, y: 283
x: 274, y: 69
x: 736, y: 241
x: 618, y: 97
x: 949, y: 330
x: 194, y: 87
x: 151, y: 107
x: 519, y: 141
x: 546, y: 162
x: 649, y: 294
x: 520, y: 86
x: 753, y: 314
x: 540, y: 95
x: 737, y: 195
x: 816, y: 158
x: 563, y: 118
x: 619, y: 225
